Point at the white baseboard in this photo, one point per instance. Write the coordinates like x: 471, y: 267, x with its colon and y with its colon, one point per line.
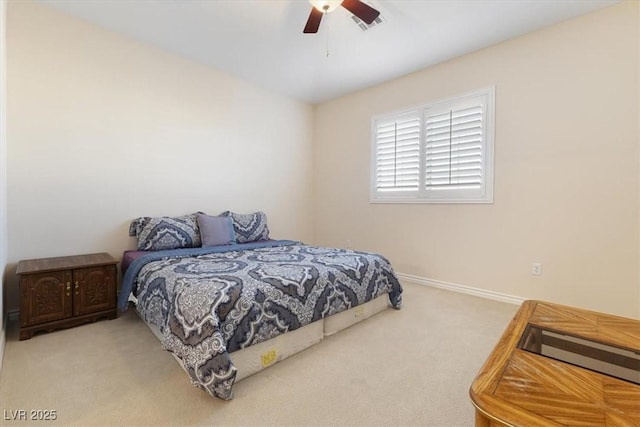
x: 511, y: 299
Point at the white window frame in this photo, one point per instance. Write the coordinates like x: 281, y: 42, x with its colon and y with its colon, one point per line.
x: 484, y: 97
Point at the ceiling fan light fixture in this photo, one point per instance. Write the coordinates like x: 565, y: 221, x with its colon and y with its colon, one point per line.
x: 326, y: 6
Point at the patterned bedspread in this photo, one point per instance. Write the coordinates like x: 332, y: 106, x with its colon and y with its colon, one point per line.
x: 208, y: 304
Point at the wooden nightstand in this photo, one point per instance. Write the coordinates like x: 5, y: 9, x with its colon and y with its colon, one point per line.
x: 66, y: 291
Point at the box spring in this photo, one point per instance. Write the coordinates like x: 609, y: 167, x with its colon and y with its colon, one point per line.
x: 254, y: 359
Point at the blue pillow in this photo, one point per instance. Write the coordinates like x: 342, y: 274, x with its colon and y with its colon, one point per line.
x: 215, y: 230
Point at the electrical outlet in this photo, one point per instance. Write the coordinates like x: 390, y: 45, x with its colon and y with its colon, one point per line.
x: 348, y: 242
x: 536, y: 269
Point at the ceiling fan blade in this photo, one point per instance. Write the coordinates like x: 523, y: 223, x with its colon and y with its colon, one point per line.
x: 313, y: 23
x: 361, y: 10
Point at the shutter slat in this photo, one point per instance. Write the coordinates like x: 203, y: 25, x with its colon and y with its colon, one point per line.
x: 454, y: 151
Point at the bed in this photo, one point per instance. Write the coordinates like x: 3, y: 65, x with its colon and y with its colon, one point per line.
x: 227, y: 311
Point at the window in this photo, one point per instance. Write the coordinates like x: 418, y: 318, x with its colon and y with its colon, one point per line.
x: 435, y: 153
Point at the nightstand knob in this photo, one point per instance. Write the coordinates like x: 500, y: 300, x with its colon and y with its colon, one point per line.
x: 68, y: 288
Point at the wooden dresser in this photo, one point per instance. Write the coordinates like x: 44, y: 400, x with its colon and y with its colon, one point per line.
x: 66, y: 291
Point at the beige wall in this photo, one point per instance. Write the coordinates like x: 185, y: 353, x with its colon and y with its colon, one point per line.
x: 566, y: 170
x: 3, y: 173
x: 103, y: 129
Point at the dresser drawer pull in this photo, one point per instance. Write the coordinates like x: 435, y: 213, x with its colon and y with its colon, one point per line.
x: 77, y: 288
x: 68, y: 288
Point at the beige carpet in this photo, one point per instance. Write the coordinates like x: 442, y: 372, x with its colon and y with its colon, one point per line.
x: 411, y: 367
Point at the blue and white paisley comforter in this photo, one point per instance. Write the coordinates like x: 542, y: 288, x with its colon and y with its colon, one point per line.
x: 209, y: 302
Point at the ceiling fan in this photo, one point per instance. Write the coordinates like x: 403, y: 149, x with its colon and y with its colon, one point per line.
x: 321, y: 7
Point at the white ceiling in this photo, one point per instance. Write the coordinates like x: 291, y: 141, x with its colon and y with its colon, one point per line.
x: 262, y: 40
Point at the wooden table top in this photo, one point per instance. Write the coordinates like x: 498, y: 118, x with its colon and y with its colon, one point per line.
x: 42, y: 265
x: 516, y: 387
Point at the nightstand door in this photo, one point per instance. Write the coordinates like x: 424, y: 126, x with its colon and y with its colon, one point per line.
x: 45, y: 297
x: 94, y: 289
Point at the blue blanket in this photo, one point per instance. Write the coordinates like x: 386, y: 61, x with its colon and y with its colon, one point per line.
x: 128, y: 280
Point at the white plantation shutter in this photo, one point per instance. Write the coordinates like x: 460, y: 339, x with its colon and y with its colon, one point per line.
x: 397, y: 154
x: 440, y: 152
x: 454, y: 148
